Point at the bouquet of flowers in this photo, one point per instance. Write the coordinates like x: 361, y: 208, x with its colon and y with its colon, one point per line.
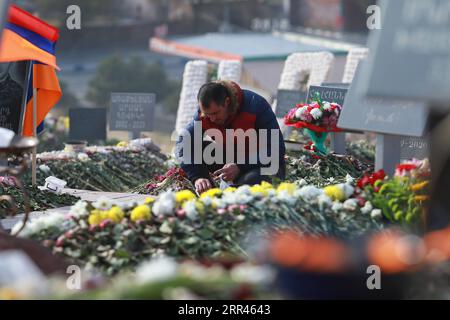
x: 317, y: 118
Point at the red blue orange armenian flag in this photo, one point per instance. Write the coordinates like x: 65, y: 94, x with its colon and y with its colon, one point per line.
x: 26, y: 37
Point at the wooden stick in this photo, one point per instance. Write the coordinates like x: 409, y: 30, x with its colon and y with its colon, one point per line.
x: 34, y: 164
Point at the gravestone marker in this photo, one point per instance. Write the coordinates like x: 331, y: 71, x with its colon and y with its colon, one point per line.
x: 381, y: 115
x: 393, y: 120
x: 132, y: 112
x: 288, y: 99
x: 410, y: 55
x: 13, y: 94
x: 87, y: 124
x: 414, y: 147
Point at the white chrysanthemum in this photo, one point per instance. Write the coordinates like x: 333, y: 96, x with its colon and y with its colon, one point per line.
x: 190, y: 209
x: 207, y: 201
x: 79, y: 209
x: 299, y: 112
x: 285, y: 196
x: 316, y: 113
x: 245, y: 189
x: 103, y: 203
x: 326, y: 105
x: 308, y: 193
x: 229, y: 197
x: 252, y: 274
x: 237, y: 198
x: 324, y: 201
x: 165, y: 204
x: 44, y: 168
x: 243, y: 198
x: 376, y: 213
x: 219, y: 203
x: 367, y: 207
x: 302, y: 183
x: 349, y: 179
x: 83, y: 157
x: 347, y: 189
x: 159, y: 269
x: 337, y: 206
x: 37, y: 225
x: 350, y: 204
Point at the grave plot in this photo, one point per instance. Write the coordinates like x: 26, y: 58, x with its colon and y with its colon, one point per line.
x: 114, y: 168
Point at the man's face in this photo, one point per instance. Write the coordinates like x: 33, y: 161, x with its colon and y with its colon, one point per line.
x: 217, y: 114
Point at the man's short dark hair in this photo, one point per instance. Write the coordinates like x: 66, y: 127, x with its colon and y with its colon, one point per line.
x: 212, y: 92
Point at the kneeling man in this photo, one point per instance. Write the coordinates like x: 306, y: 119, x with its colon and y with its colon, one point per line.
x: 245, y: 144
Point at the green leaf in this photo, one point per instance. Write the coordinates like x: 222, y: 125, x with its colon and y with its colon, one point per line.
x: 165, y: 228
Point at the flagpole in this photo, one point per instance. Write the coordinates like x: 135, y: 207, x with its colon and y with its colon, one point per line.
x: 34, y: 164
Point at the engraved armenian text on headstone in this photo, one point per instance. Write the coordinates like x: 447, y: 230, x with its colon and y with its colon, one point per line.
x: 132, y: 112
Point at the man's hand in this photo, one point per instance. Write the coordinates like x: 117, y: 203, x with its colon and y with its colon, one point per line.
x: 229, y: 172
x: 202, y: 185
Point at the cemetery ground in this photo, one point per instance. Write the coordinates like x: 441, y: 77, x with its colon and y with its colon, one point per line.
x: 359, y: 214
x: 133, y: 223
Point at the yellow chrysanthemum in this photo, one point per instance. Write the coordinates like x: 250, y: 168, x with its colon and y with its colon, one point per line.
x: 122, y: 144
x: 266, y: 185
x: 229, y: 190
x: 141, y: 212
x: 115, y: 214
x: 94, y: 218
x: 289, y: 187
x: 259, y: 190
x: 334, y: 193
x: 419, y: 186
x: 212, y: 193
x: 184, y: 195
x: 149, y: 200
x: 104, y: 215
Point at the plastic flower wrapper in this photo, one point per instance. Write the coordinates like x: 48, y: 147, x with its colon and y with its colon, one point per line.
x: 317, y: 118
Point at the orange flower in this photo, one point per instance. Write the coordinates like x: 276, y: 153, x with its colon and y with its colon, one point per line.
x: 421, y: 198
x: 419, y: 186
